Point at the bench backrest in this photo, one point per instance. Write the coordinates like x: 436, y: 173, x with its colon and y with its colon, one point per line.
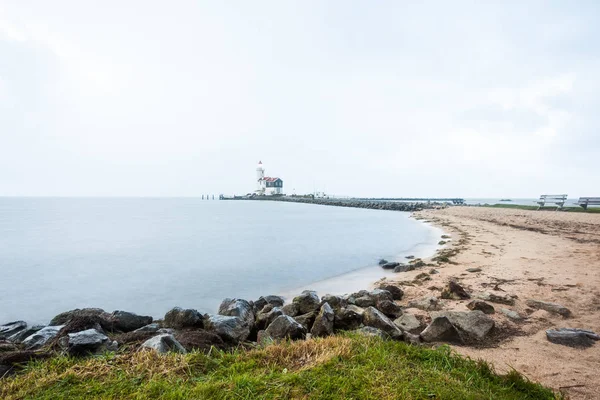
x: 589, y: 200
x: 553, y: 197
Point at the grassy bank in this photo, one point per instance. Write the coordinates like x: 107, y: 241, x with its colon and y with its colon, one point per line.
x: 337, y: 367
x: 546, y: 208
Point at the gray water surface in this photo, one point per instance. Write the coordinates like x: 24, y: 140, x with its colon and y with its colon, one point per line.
x: 148, y: 255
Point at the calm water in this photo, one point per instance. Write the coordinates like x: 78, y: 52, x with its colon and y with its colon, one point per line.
x: 149, y: 255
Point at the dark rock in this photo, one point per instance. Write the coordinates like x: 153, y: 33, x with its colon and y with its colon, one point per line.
x: 433, y: 271
x: 12, y: 328
x: 135, y: 338
x: 481, y: 306
x: 285, y: 327
x: 473, y: 269
x: 376, y: 319
x: 369, y: 331
x: 550, y: 307
x: 178, y: 318
x: 454, y: 291
x: 87, y: 342
x: 348, y: 318
x: 440, y: 330
x: 422, y: 277
x: 231, y: 329
x: 494, y: 298
x: 104, y: 318
x: 199, y: 340
x: 12, y: 361
x: 126, y: 321
x: 404, y: 268
x: 263, y: 339
x: 572, y: 337
x: 275, y: 301
x: 389, y: 308
x: 238, y: 308
x: 41, y: 337
x: 336, y: 302
x: 364, y: 301
x: 472, y: 325
x: 306, y: 320
x: 365, y: 298
x: 81, y: 323
x: 164, y: 343
x: 22, y: 335
x: 390, y: 265
x: 264, y: 319
x: 7, y: 346
x: 323, y: 325
x: 308, y: 301
x: 409, y: 257
x: 291, y: 309
x: 396, y: 292
x: 408, y: 323
x: 426, y: 304
x: 153, y: 328
x: 383, y: 261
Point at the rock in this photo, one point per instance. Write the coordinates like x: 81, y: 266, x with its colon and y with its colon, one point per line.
x: 291, y: 309
x: 473, y: 269
x: 12, y: 328
x: 550, y: 307
x: 511, y: 314
x: 481, y: 306
x: 442, y: 242
x: 396, y: 292
x: 376, y: 319
x: 164, y: 343
x: 404, y: 268
x: 41, y: 337
x: 126, y: 321
x: 440, y: 330
x: 336, y: 302
x: 572, y: 337
x: 389, y: 308
x: 87, y: 342
x: 323, y: 325
x: 348, y: 318
x: 369, y: 331
x: 238, y: 308
x: 390, y: 265
x: 433, y: 271
x: 426, y: 304
x: 12, y: 361
x: 264, y: 319
x: 199, y: 340
x: 494, y: 298
x: 81, y: 323
x: 422, y: 277
x: 7, y: 346
x: 413, y: 339
x: 308, y: 301
x: 409, y: 257
x: 418, y: 263
x: 25, y: 333
x: 472, y: 325
x: 285, y: 327
x: 104, y: 318
x: 231, y: 329
x: 153, y: 328
x: 365, y: 298
x: 275, y: 301
x: 178, y: 318
x: 454, y: 291
x: 408, y: 323
x: 263, y: 339
x: 306, y: 320
x: 364, y: 301
x: 383, y: 261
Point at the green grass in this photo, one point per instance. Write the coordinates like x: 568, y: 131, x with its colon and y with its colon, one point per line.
x: 338, y: 367
x: 546, y: 208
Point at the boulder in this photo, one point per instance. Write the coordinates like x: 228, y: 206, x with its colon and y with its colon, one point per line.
x: 572, y: 337
x: 230, y: 329
x: 335, y: 302
x: 511, y: 314
x: 199, y: 340
x: 454, y: 291
x: 263, y: 339
x: 348, y: 318
x: 389, y: 308
x: 87, y: 342
x: 550, y: 307
x: 376, y: 319
x: 408, y: 323
x: 153, y: 328
x: 104, y: 318
x: 126, y: 321
x: 472, y: 325
x: 275, y: 301
x: 291, y: 309
x: 383, y: 261
x: 365, y: 298
x: 494, y: 298
x: 390, y: 265
x: 164, y: 343
x: 369, y: 331
x: 481, y: 306
x: 285, y: 327
x: 25, y: 333
x: 308, y: 301
x: 405, y: 268
x: 5, y: 346
x: 323, y: 325
x: 178, y: 318
x: 238, y: 308
x: 440, y: 330
x: 396, y: 292
x: 41, y: 337
x: 427, y: 304
x: 306, y: 320
x: 12, y: 328
x: 264, y: 318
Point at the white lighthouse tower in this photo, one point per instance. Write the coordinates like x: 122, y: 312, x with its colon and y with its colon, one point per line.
x: 260, y: 178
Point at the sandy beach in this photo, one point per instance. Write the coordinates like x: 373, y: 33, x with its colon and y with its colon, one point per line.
x: 549, y: 256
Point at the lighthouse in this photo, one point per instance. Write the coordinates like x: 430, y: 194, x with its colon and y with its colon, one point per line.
x: 260, y: 176
x: 266, y: 185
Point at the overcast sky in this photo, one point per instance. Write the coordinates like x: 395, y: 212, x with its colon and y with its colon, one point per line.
x: 365, y: 98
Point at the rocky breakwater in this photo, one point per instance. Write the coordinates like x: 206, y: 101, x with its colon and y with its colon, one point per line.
x: 354, y: 203
x: 378, y: 312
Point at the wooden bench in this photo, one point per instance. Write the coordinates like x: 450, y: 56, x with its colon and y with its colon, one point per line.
x: 558, y: 199
x: 588, y: 201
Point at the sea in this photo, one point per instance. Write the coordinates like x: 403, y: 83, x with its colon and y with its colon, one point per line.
x: 148, y: 255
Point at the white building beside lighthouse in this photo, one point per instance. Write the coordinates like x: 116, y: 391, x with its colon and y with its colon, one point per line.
x: 266, y: 185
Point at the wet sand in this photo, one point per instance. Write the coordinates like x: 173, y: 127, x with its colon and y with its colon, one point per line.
x: 549, y: 256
